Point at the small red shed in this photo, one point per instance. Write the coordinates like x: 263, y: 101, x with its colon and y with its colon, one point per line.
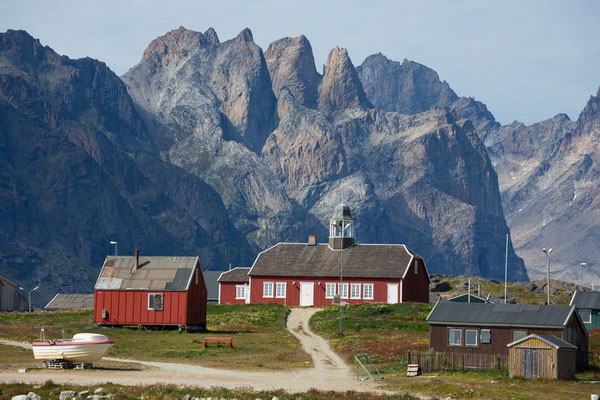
x: 150, y: 291
x: 234, y: 286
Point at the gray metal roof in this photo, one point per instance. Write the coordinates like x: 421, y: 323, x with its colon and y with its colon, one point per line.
x: 530, y: 315
x: 465, y: 298
x: 66, y: 301
x: 586, y: 299
x: 550, y: 340
x: 153, y: 273
x: 359, y: 261
x: 238, y: 274
x: 212, y: 286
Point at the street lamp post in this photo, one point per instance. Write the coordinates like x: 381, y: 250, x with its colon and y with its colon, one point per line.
x: 29, y: 294
x: 112, y: 242
x: 581, y: 265
x: 547, y: 253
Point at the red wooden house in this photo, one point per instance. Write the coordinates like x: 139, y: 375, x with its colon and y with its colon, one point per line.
x: 306, y: 274
x: 150, y: 291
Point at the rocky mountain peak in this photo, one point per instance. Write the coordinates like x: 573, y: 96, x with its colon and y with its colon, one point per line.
x: 407, y: 88
x: 340, y: 87
x: 291, y: 65
x: 19, y: 48
x: 176, y: 43
x: 211, y: 36
x: 245, y: 35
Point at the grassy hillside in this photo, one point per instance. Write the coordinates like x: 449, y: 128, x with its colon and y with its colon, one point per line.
x: 259, y: 337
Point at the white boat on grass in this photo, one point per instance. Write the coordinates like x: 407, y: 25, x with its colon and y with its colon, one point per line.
x: 82, y: 348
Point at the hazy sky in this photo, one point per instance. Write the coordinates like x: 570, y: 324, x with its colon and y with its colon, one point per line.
x: 527, y: 60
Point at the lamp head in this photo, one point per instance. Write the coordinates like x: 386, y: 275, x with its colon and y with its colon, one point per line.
x: 583, y: 264
x: 113, y: 242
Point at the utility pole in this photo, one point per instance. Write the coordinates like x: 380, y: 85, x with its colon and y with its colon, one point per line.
x: 505, y: 268
x: 341, y: 271
x: 581, y: 265
x: 112, y: 242
x: 29, y: 294
x: 547, y: 253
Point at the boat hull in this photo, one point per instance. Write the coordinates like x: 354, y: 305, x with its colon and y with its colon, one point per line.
x: 71, y: 352
x: 81, y: 349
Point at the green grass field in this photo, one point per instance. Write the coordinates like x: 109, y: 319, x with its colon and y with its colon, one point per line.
x: 384, y: 331
x: 259, y: 337
x: 49, y: 390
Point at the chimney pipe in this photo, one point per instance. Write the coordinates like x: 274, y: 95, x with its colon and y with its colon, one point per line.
x: 137, y: 260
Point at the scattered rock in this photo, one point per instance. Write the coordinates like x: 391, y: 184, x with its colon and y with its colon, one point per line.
x: 33, y: 396
x: 20, y: 397
x: 83, y: 393
x: 100, y: 390
x: 187, y: 397
x: 67, y: 394
x: 441, y: 287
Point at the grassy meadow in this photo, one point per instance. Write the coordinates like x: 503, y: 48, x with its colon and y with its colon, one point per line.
x: 260, y: 339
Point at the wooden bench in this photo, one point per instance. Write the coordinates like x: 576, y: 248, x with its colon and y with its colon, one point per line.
x: 218, y: 340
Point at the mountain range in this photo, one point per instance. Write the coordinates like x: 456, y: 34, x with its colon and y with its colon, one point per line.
x: 219, y: 149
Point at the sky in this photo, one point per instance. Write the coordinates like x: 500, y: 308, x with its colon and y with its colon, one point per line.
x: 526, y: 60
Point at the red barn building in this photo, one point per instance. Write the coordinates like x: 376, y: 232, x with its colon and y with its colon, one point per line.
x: 150, y: 291
x: 306, y: 274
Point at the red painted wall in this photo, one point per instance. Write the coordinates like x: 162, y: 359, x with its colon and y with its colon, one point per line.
x: 227, y: 293
x: 130, y: 307
x: 415, y: 287
x: 293, y: 290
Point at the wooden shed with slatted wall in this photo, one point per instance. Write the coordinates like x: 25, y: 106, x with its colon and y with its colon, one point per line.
x: 542, y: 356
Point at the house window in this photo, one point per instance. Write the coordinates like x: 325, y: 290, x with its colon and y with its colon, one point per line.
x: 455, y: 337
x: 267, y: 289
x: 519, y: 335
x: 355, y: 290
x: 329, y: 290
x: 240, y: 292
x: 486, y: 336
x: 368, y: 291
x: 280, y: 290
x: 586, y: 316
x: 343, y: 290
x: 470, y: 337
x: 155, y: 301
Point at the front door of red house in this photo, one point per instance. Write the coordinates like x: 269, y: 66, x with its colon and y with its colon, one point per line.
x: 392, y: 293
x: 307, y: 293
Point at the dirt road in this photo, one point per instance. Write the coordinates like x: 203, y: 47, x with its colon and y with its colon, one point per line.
x: 329, y: 372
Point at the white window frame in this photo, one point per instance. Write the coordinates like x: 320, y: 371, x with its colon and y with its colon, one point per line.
x: 489, y: 336
x: 476, y: 337
x: 240, y: 289
x: 368, y: 294
x: 518, y: 331
x: 355, y: 287
x: 450, y: 337
x: 278, y: 286
x: 330, y: 290
x: 268, y: 289
x: 151, y: 301
x: 343, y: 290
x: 586, y: 321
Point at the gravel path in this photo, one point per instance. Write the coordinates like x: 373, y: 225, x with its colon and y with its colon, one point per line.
x: 329, y: 372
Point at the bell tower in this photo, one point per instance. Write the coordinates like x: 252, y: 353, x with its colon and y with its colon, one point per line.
x: 341, y: 228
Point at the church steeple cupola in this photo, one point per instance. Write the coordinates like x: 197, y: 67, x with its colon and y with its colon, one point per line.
x: 341, y: 228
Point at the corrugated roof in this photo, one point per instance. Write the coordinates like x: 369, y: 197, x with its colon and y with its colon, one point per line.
x: 238, y: 274
x: 550, y: 340
x: 212, y: 286
x: 447, y: 312
x: 153, y: 273
x: 66, y: 301
x: 586, y: 299
x: 359, y: 261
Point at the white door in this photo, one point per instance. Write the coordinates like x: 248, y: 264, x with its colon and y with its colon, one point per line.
x: 247, y: 294
x: 392, y: 297
x: 307, y: 293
